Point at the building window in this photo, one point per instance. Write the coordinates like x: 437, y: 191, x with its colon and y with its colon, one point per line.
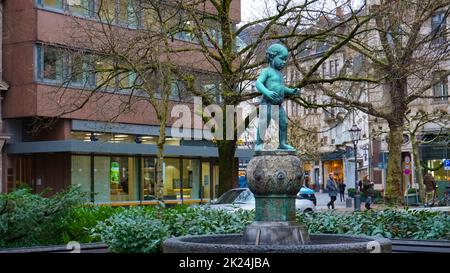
x: 332, y: 69
x: 129, y: 14
x: 440, y: 90
x: 438, y: 28
x: 336, y: 67
x: 81, y: 7
x: 324, y: 70
x: 63, y: 66
x: 56, y: 4
x: 52, y: 64
x: 107, y: 11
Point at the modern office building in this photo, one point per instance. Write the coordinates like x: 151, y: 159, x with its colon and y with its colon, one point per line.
x: 114, y: 161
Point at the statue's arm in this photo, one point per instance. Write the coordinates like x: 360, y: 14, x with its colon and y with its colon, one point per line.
x: 260, y: 83
x: 291, y: 91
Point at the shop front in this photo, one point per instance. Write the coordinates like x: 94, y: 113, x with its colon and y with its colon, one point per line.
x: 433, y: 156
x: 119, y: 178
x: 127, y: 173
x: 332, y: 162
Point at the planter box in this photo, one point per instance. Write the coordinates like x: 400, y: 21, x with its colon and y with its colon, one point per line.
x: 412, y: 199
x: 84, y: 248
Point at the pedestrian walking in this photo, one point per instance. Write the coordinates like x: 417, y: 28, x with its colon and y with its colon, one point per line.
x: 430, y: 189
x: 332, y: 190
x: 342, y: 191
x: 367, y: 189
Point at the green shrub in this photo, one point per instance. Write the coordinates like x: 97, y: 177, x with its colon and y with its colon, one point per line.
x: 132, y: 230
x: 142, y: 229
x: 389, y: 223
x: 30, y: 219
x: 351, y: 192
x: 203, y: 220
x: 77, y: 224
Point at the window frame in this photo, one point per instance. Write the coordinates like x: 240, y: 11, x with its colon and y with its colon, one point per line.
x: 438, y: 36
x: 442, y: 86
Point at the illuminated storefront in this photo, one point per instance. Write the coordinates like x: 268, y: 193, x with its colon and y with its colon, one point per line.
x: 119, y: 167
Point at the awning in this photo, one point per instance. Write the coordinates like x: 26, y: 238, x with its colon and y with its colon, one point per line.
x: 97, y: 147
x: 336, y: 155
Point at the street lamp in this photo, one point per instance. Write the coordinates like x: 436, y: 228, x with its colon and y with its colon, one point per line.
x: 355, y: 133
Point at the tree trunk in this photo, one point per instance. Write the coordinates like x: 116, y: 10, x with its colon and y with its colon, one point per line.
x: 227, y: 166
x: 417, y: 167
x: 394, y: 192
x: 159, y: 189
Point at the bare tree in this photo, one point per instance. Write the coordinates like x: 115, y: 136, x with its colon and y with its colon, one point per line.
x: 238, y: 66
x: 403, y: 50
x: 132, y: 70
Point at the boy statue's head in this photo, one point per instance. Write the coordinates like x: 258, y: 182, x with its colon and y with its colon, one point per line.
x: 276, y: 56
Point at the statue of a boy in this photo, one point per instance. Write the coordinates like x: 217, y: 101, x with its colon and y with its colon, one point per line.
x: 271, y: 84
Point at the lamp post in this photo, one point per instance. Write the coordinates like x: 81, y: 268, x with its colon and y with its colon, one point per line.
x: 355, y: 133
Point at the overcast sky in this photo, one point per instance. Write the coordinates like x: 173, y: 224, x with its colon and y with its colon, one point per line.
x: 252, y: 9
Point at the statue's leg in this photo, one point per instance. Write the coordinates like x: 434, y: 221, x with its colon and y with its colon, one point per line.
x: 282, y: 133
x: 263, y: 123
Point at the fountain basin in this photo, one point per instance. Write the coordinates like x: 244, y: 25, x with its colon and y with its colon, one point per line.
x: 319, y: 243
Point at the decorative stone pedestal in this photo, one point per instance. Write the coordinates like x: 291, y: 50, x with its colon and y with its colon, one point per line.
x: 275, y: 178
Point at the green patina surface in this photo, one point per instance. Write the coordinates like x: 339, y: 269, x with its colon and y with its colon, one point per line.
x: 275, y: 208
x: 271, y: 85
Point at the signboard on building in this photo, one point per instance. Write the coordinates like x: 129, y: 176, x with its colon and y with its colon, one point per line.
x: 447, y: 164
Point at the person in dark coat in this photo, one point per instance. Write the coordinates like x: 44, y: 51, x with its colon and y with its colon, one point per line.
x: 342, y: 191
x: 332, y: 190
x: 430, y: 188
x: 367, y: 189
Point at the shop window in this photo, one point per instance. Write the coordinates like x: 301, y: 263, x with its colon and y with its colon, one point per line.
x: 191, y: 179
x: 102, y: 181
x: 81, y: 172
x: 172, y: 179
x: 123, y: 179
x: 206, y: 180
x: 148, y: 183
x: 215, y: 181
x: 437, y: 170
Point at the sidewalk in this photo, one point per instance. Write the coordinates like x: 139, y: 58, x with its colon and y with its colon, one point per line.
x: 323, y: 199
x: 340, y: 206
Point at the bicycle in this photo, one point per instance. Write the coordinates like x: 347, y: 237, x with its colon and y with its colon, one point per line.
x: 443, y: 201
